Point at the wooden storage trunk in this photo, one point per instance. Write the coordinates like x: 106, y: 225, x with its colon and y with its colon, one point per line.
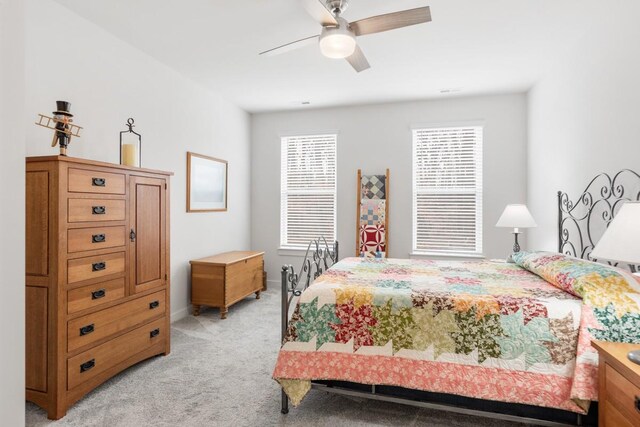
x: 224, y: 279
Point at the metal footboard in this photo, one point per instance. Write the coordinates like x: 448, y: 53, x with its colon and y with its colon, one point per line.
x: 317, y: 259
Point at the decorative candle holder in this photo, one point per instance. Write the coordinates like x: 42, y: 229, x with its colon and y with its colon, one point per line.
x: 130, y: 146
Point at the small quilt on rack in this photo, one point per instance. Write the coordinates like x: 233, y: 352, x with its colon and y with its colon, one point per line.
x: 372, y: 212
x: 373, y: 187
x: 372, y: 238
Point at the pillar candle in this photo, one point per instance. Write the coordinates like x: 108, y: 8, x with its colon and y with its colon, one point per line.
x: 129, y: 155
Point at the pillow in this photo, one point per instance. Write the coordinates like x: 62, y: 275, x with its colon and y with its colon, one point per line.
x: 573, y: 274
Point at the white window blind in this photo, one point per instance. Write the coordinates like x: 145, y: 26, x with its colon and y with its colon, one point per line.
x: 308, y: 189
x: 447, y: 192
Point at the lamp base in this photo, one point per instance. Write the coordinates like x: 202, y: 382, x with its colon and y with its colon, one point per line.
x: 634, y: 356
x: 516, y: 245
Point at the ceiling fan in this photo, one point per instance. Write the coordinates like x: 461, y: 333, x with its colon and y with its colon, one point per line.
x: 338, y: 37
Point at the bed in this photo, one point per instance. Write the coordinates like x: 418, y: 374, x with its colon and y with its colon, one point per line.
x: 513, y: 339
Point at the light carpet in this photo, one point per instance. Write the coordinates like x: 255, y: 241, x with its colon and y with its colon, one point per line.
x: 219, y: 374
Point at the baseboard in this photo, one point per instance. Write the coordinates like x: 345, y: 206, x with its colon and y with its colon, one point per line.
x: 179, y: 314
x: 273, y: 283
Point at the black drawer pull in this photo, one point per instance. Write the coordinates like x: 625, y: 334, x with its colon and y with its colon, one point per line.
x: 154, y: 333
x: 638, y: 403
x: 87, y: 365
x: 100, y: 293
x: 99, y: 210
x: 154, y: 304
x: 98, y: 266
x: 86, y: 330
x: 98, y: 182
x: 98, y: 238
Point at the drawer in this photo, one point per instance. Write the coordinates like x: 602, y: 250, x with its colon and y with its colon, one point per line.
x: 622, y: 394
x: 94, y: 295
x: 94, y: 267
x: 88, y: 239
x: 243, y: 278
x: 93, y: 362
x: 101, y: 324
x: 88, y: 210
x: 88, y: 181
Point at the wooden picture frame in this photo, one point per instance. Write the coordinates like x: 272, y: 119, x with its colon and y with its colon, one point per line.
x: 206, y: 183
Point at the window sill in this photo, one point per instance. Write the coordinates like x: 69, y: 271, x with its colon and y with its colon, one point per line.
x: 442, y: 256
x: 292, y: 251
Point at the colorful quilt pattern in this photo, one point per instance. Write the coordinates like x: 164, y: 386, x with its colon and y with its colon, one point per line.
x: 610, y: 296
x: 372, y: 212
x: 481, y: 329
x: 373, y: 186
x: 372, y: 238
x: 372, y: 232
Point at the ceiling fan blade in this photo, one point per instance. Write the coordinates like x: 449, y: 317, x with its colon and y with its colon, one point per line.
x: 358, y: 61
x: 319, y: 12
x: 391, y: 21
x: 290, y: 46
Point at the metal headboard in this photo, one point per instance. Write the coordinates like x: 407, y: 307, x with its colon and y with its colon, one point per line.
x: 581, y: 222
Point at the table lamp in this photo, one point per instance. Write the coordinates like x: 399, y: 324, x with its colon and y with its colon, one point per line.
x: 516, y: 217
x: 621, y: 243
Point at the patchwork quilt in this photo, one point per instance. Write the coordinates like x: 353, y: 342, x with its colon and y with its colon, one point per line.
x: 487, y: 330
x: 372, y: 234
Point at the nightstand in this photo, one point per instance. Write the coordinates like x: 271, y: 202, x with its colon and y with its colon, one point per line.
x: 619, y: 385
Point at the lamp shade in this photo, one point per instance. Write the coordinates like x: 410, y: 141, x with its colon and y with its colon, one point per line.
x: 516, y: 216
x: 621, y: 241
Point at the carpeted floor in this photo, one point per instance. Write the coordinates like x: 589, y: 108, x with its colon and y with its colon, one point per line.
x: 219, y: 374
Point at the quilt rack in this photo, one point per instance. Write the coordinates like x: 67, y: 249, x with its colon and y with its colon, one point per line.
x: 372, y: 215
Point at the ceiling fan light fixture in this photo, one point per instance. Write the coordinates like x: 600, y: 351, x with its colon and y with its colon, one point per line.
x: 338, y: 36
x: 337, y: 42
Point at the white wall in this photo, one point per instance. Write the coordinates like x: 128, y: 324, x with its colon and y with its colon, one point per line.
x: 12, y: 213
x: 376, y: 137
x: 107, y: 81
x: 584, y: 116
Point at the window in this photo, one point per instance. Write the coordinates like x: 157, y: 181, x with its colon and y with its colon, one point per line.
x: 447, y: 191
x: 308, y: 190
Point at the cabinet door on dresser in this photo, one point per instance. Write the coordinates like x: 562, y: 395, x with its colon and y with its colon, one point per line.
x: 147, y: 233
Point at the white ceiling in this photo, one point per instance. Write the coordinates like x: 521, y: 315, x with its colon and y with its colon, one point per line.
x: 479, y: 47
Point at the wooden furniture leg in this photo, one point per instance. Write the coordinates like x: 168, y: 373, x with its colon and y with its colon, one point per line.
x: 196, y: 310
x: 258, y: 294
x: 223, y: 312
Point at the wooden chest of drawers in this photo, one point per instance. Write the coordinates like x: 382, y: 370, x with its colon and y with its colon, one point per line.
x: 97, y: 275
x: 224, y: 279
x: 619, y: 386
